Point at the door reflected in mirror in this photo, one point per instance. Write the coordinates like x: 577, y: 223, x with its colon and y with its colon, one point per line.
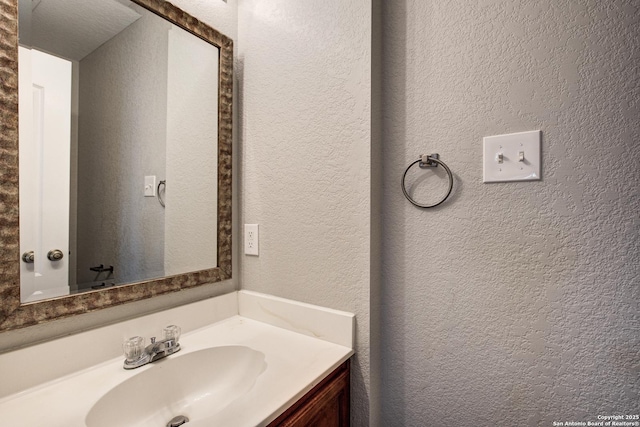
x: 118, y: 143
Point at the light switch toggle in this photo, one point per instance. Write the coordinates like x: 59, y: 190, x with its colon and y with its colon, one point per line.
x: 521, y: 156
x: 500, y: 158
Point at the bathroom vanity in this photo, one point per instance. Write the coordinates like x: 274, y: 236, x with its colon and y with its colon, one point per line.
x: 327, y: 405
x: 258, y: 360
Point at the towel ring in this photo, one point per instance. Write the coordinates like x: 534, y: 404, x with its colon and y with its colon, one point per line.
x: 163, y: 184
x: 428, y: 161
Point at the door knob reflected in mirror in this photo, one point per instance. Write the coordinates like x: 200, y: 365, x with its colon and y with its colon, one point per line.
x: 55, y: 255
x: 28, y: 257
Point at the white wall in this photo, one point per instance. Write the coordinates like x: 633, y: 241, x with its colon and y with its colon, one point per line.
x: 305, y: 87
x: 512, y: 304
x: 118, y: 147
x: 191, y: 194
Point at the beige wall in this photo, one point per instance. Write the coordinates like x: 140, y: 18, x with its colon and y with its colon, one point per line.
x: 512, y: 304
x: 305, y: 88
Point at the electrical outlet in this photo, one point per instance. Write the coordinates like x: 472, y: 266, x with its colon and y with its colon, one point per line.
x: 251, y: 239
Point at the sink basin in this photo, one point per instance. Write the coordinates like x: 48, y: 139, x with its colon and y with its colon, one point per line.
x: 196, y: 385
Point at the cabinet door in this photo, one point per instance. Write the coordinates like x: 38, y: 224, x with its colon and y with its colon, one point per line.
x: 326, y: 405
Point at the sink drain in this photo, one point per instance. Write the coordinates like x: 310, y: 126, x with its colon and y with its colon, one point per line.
x: 178, y: 421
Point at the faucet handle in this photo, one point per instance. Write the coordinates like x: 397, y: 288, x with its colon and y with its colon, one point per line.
x: 171, y: 332
x: 133, y: 348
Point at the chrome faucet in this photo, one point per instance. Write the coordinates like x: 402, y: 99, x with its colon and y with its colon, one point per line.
x: 138, y: 355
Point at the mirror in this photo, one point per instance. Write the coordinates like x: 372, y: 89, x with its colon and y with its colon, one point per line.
x: 131, y: 159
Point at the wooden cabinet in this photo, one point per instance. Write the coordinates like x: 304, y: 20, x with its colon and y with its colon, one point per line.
x: 326, y: 405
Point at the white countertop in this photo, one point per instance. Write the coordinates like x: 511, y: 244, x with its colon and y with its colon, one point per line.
x: 295, y: 363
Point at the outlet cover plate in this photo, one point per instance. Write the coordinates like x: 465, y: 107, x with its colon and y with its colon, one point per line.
x: 251, y: 239
x: 512, y: 146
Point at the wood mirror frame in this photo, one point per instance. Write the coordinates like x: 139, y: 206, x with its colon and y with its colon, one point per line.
x: 13, y: 313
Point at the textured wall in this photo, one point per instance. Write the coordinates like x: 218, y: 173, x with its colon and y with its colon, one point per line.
x: 191, y: 193
x: 512, y: 304
x: 118, y: 147
x: 304, y: 72
x: 220, y: 14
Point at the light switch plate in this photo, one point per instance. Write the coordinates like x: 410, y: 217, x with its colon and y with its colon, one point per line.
x: 512, y: 157
x: 150, y: 186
